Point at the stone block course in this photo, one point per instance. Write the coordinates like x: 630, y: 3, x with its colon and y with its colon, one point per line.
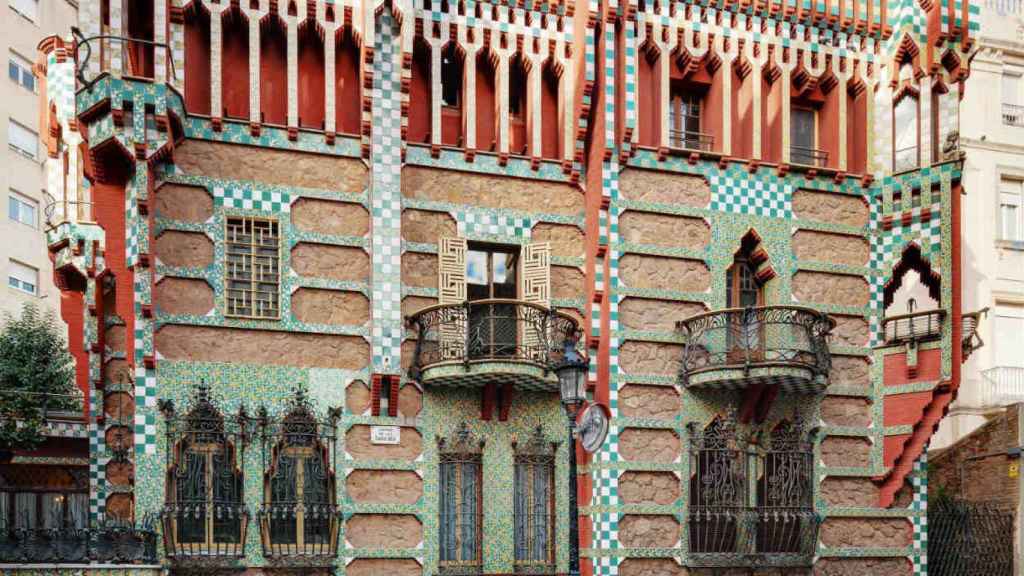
x: 656, y: 315
x: 664, y: 187
x: 209, y: 344
x: 384, y: 486
x: 643, y: 401
x: 183, y: 296
x: 184, y: 203
x: 661, y: 273
x: 330, y: 217
x: 649, y: 445
x: 184, y: 249
x: 332, y: 262
x: 383, y: 531
x: 652, y: 488
x: 648, y: 531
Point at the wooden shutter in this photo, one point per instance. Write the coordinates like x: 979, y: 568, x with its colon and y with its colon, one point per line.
x: 451, y: 289
x: 535, y: 287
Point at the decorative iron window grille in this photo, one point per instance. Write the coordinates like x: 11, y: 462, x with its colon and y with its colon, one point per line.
x: 460, y: 515
x: 751, y: 507
x: 204, y: 515
x: 299, y: 519
x: 111, y: 543
x: 534, y: 505
x: 252, y: 267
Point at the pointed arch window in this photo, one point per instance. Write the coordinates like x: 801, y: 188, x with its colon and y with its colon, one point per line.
x: 204, y: 514
x: 299, y: 516
x: 906, y: 132
x: 744, y: 291
x: 534, y: 505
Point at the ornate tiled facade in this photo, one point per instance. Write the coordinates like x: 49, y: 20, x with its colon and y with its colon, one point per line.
x: 384, y: 140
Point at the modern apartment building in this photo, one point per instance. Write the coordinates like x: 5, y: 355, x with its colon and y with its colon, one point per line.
x: 329, y: 263
x: 992, y: 134
x: 24, y: 257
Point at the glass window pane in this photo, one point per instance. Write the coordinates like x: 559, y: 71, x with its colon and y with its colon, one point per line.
x: 25, y: 510
x: 1009, y: 217
x: 22, y: 138
x: 802, y: 130
x: 53, y: 510
x: 1011, y: 88
x: 78, y: 510
x: 476, y: 267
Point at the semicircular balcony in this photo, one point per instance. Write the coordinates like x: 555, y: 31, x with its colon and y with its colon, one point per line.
x: 737, y: 348
x: 494, y: 341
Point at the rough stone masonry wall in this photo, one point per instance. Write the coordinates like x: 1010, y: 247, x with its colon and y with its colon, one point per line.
x: 672, y: 267
x: 977, y: 467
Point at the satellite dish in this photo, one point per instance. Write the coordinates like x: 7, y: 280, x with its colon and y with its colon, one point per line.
x: 593, y: 427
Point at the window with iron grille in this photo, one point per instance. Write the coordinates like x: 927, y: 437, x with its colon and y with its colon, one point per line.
x: 534, y: 506
x: 460, y: 518
x: 204, y: 514
x: 299, y: 515
x: 253, y: 267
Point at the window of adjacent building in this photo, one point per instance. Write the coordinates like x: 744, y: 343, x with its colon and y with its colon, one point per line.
x: 22, y: 209
x: 50, y: 510
x: 1013, y: 112
x: 451, y: 76
x: 19, y: 70
x: 27, y: 8
x: 1011, y: 210
x: 803, y: 136
x: 1008, y: 332
x: 253, y: 267
x: 22, y: 139
x: 684, y: 120
x: 460, y: 513
x: 22, y: 277
x: 906, y: 135
x: 534, y: 507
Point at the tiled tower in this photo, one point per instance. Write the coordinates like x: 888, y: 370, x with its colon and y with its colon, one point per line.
x: 325, y: 252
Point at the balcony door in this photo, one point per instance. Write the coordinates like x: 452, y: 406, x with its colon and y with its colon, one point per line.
x: 745, y: 335
x: 803, y: 136
x: 491, y: 276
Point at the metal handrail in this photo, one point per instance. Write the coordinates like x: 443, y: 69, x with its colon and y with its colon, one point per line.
x: 324, y: 547
x: 492, y: 329
x: 690, y: 140
x: 924, y: 325
x: 82, y: 41
x: 82, y: 209
x: 107, y: 544
x: 1013, y: 114
x: 763, y: 336
x: 806, y: 156
x: 907, y: 158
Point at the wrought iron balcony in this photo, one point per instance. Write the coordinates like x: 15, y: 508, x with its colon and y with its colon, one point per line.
x: 752, y: 536
x: 1013, y: 114
x: 111, y: 544
x: 739, y: 347
x: 490, y: 341
x: 688, y: 140
x: 204, y: 531
x: 300, y: 534
x: 916, y: 326
x: 805, y: 156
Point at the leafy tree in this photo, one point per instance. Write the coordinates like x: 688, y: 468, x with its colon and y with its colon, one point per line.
x: 37, y: 374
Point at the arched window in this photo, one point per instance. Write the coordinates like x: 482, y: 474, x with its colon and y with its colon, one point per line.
x: 204, y: 513
x: 348, y: 103
x: 299, y: 515
x: 551, y: 124
x: 420, y: 93
x: 486, y: 107
x: 906, y: 133
x: 311, y: 65
x: 234, y: 70
x: 197, y: 59
x: 785, y: 492
x: 518, y: 104
x: 274, y: 70
x: 138, y: 18
x: 744, y: 290
x: 460, y: 514
x: 451, y: 95
x: 718, y: 487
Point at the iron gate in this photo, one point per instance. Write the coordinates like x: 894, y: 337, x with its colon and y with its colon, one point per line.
x: 969, y: 539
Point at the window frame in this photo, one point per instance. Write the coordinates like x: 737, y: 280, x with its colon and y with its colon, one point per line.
x: 12, y: 266
x: 10, y: 521
x: 12, y: 125
x: 1016, y: 201
x: 457, y: 460
x: 22, y: 202
x: 491, y: 249
x: 230, y: 306
x: 537, y: 453
x: 680, y: 136
x: 15, y: 6
x: 24, y: 68
x: 916, y: 163
x: 813, y: 148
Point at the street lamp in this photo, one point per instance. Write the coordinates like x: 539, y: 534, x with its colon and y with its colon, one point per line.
x: 572, y: 387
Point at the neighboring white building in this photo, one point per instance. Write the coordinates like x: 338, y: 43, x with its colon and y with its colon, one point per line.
x: 27, y: 272
x: 992, y: 134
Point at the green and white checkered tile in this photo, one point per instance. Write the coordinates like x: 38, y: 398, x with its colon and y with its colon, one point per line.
x: 759, y: 197
x: 477, y: 223
x: 246, y: 198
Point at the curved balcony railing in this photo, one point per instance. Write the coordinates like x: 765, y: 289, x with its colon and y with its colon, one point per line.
x: 806, y: 156
x: 112, y: 544
x: 205, y: 530
x: 58, y: 212
x: 490, y: 330
x: 689, y: 140
x: 916, y: 326
x: 770, y: 344
x: 300, y: 534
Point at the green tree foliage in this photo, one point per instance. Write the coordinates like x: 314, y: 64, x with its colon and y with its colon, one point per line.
x: 37, y: 374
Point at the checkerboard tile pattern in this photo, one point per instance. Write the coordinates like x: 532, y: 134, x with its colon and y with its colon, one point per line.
x: 247, y: 198
x: 480, y: 223
x: 919, y: 504
x: 385, y: 199
x: 757, y: 197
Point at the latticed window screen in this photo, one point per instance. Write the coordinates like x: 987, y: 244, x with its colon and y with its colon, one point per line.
x: 253, y: 267
x: 534, y: 514
x: 460, y: 514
